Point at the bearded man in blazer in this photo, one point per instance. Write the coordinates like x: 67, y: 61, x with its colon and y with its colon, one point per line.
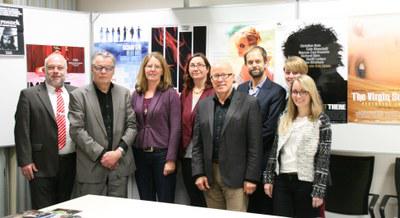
x: 46, y: 158
x: 271, y: 98
x: 227, y: 144
x: 103, y: 126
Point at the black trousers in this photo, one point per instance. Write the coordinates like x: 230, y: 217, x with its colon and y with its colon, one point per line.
x: 46, y: 191
x: 196, y: 196
x: 292, y: 197
x: 259, y: 202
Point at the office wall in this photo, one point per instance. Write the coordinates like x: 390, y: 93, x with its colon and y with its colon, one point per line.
x: 44, y: 27
x: 350, y: 139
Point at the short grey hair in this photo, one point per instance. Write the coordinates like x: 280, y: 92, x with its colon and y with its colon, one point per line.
x: 104, y: 54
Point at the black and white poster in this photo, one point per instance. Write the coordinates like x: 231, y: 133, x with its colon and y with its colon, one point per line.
x: 11, y: 31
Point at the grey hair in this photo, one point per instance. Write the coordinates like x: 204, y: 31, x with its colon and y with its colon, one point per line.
x: 104, y: 54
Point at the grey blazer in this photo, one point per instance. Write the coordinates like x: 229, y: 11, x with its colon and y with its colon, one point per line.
x: 36, y: 131
x: 89, y: 133
x: 240, y: 150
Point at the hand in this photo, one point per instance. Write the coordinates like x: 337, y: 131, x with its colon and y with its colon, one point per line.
x: 268, y: 188
x: 249, y: 187
x: 169, y: 167
x: 202, y: 183
x: 316, y: 202
x: 28, y: 171
x: 110, y: 159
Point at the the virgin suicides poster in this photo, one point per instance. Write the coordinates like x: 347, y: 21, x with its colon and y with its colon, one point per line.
x: 374, y: 78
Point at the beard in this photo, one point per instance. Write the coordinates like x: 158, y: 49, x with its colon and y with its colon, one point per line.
x: 256, y: 73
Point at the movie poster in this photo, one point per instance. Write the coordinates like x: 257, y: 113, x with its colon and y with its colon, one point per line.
x: 374, y: 78
x: 75, y: 56
x: 177, y: 44
x: 129, y: 44
x: 11, y: 31
x: 323, y: 46
x: 229, y: 42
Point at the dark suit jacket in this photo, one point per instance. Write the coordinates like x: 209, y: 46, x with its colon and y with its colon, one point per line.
x: 240, y: 147
x: 36, y: 131
x: 272, y: 102
x: 89, y: 133
x: 163, y: 123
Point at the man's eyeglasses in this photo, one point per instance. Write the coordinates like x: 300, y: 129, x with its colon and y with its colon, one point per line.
x: 192, y: 66
x: 52, y: 67
x: 299, y: 93
x: 222, y: 76
x: 101, y: 68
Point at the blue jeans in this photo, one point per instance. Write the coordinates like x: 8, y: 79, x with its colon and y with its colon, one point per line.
x: 151, y: 182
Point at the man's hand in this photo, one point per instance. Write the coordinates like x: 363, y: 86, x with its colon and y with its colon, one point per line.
x: 268, y: 189
x: 249, y: 187
x: 28, y: 171
x: 169, y: 167
x: 110, y: 159
x: 202, y: 183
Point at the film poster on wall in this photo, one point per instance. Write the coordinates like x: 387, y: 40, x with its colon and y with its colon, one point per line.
x: 75, y: 56
x: 374, y: 78
x: 11, y: 31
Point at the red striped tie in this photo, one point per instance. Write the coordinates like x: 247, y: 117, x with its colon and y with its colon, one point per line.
x: 60, y: 119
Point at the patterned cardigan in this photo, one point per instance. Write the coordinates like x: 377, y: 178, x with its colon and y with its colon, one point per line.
x: 321, y: 159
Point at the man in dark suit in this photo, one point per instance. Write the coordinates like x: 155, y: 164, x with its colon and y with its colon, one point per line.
x: 45, y: 151
x: 227, y: 144
x: 103, y: 126
x: 271, y: 98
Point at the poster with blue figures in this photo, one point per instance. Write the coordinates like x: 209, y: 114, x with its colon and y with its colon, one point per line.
x: 128, y: 55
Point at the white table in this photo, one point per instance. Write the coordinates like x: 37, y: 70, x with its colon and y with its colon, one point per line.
x: 94, y: 206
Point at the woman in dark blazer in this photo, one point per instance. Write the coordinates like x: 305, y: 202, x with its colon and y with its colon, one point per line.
x: 197, y: 86
x: 158, y: 115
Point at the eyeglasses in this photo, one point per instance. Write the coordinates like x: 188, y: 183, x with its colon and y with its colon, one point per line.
x: 222, y: 76
x: 101, y: 68
x: 299, y: 93
x: 192, y: 66
x: 150, y: 66
x: 52, y: 67
x: 293, y: 73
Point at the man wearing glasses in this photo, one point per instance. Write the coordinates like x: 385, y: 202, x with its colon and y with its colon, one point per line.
x: 103, y: 127
x: 227, y: 144
x: 45, y: 151
x: 271, y: 98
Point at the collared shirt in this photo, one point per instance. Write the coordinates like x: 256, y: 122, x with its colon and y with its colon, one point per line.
x: 69, y: 144
x: 106, y: 107
x: 219, y: 118
x: 254, y: 91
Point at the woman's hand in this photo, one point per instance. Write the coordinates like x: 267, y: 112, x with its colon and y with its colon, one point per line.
x: 169, y: 167
x: 316, y: 202
x: 268, y: 189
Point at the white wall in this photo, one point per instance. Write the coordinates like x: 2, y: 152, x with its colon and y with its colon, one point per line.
x: 348, y: 138
x: 372, y: 136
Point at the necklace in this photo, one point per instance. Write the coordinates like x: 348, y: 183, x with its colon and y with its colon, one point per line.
x: 199, y: 91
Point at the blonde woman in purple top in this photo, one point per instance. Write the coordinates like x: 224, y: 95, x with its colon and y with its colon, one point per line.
x: 158, y: 113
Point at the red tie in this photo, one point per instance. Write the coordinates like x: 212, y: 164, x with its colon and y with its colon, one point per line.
x: 60, y: 119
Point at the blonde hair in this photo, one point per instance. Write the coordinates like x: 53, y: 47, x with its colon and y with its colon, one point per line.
x: 316, y: 106
x: 166, y: 78
x: 295, y: 64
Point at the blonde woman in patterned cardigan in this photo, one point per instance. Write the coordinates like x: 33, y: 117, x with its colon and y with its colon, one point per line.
x: 297, y: 170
